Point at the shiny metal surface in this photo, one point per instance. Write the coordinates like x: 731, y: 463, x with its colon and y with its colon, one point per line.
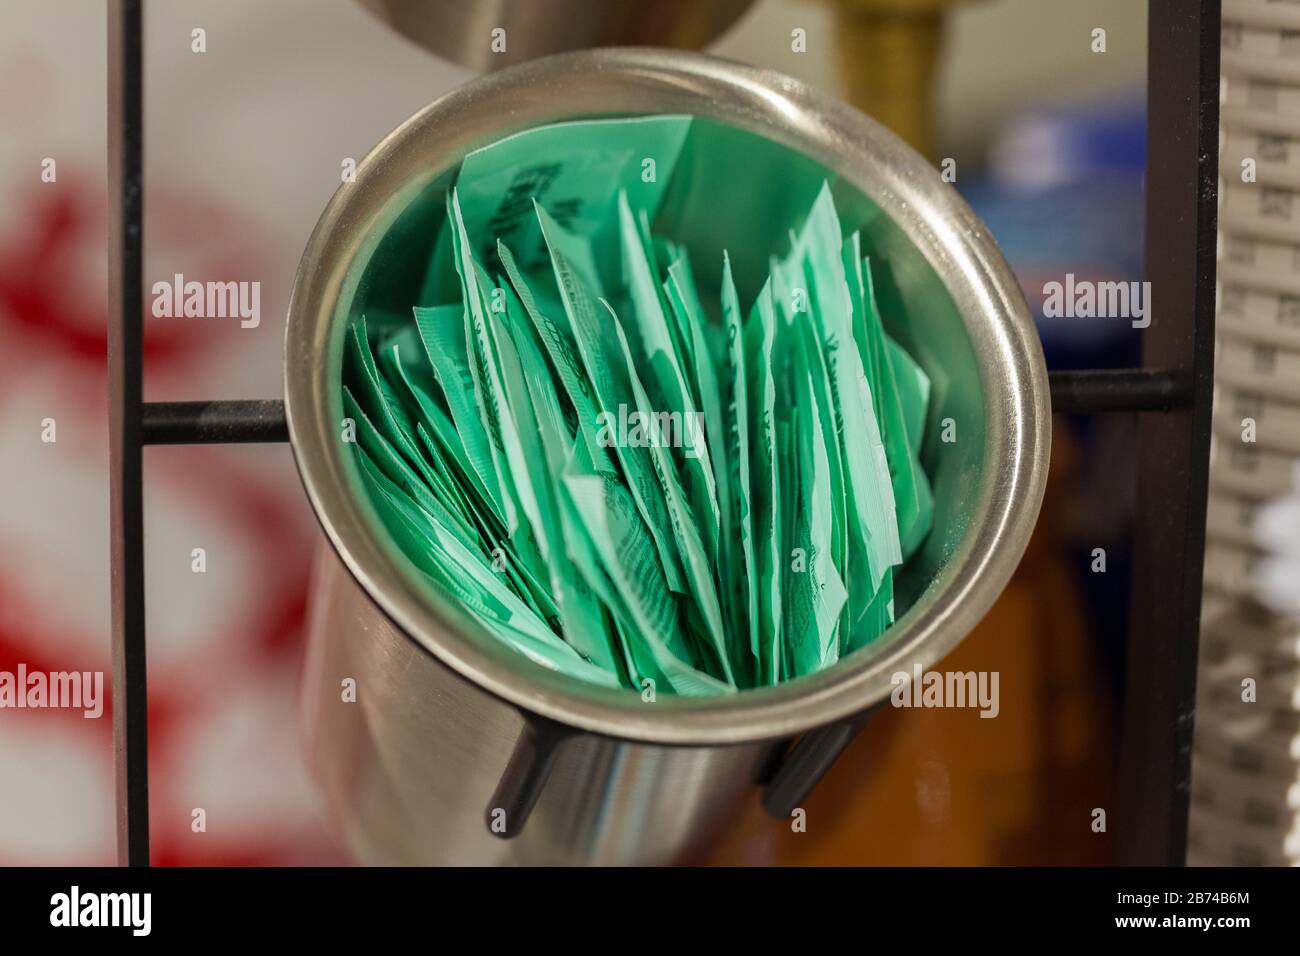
x: 462, y: 30
x: 410, y: 766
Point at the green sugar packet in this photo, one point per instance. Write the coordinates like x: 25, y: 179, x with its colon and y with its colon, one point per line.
x: 822, y: 387
x: 447, y: 462
x: 607, y: 374
x: 871, y: 505
x: 642, y: 599
x: 484, y: 373
x: 463, y: 577
x: 815, y: 593
x: 914, y: 392
x: 576, y: 170
x: 688, y: 315
x: 902, y: 410
x: 661, y: 254
x: 583, y: 619
x: 442, y: 331
x: 399, y: 359
x: 765, y: 504
x: 541, y: 302
x: 666, y: 380
x: 378, y: 396
x: 695, y: 562
x: 739, y: 534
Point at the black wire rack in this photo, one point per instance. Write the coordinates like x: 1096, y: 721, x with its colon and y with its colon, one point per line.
x: 1174, y: 385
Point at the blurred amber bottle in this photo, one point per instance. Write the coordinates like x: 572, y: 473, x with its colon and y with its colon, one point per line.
x: 888, y: 54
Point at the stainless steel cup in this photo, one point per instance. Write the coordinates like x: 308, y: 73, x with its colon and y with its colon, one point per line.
x: 458, y: 750
x: 463, y: 31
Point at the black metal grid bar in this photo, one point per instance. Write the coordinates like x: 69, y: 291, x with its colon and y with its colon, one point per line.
x: 1177, y: 379
x: 125, y: 361
x: 262, y: 420
x: 1173, y: 449
x: 214, y: 423
x: 1119, y: 390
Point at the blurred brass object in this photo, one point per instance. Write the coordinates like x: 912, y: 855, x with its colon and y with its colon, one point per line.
x: 888, y: 54
x: 462, y: 31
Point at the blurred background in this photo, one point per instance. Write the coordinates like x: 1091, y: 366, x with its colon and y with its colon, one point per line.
x: 244, y: 145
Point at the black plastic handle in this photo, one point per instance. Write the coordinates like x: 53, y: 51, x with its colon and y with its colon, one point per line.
x: 807, y: 761
x: 526, y: 773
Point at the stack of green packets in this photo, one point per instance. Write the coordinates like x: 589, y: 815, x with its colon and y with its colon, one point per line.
x: 623, y: 477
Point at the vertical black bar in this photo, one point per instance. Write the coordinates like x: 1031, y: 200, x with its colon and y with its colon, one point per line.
x: 125, y: 359
x: 808, y: 760
x: 1173, y: 449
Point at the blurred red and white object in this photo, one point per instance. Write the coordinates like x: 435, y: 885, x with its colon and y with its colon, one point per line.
x: 244, y: 144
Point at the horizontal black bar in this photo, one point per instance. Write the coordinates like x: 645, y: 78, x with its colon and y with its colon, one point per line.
x: 214, y: 423
x: 262, y: 420
x: 1092, y: 900
x: 1120, y: 390
x: 808, y: 760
